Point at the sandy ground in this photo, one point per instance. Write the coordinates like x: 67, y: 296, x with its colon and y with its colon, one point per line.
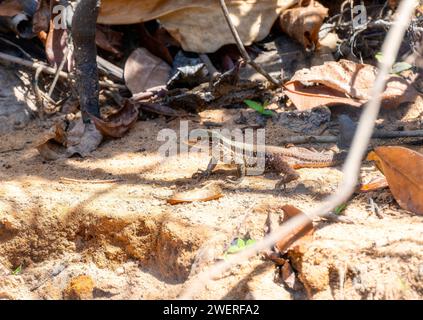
x: 133, y: 245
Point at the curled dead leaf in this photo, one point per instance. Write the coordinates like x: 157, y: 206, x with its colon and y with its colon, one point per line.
x: 344, y: 82
x: 52, y: 145
x: 109, y: 40
x: 209, y: 192
x: 297, y: 237
x: 375, y: 184
x: 41, y: 19
x: 403, y: 169
x: 303, y: 22
x: 60, y: 143
x: 198, y: 25
x: 118, y: 124
x: 144, y: 71
x: 10, y: 8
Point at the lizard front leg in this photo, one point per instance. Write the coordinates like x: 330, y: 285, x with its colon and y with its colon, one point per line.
x: 83, y: 35
x: 280, y: 165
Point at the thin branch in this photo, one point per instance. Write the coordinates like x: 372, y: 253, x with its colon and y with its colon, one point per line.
x: 49, y: 70
x: 333, y: 139
x: 351, y: 168
x: 242, y: 49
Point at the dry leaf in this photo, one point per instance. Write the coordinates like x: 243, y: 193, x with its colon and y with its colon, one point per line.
x: 157, y: 45
x: 209, y: 192
x: 403, y: 168
x: 109, y: 40
x: 144, y: 71
x: 10, y: 8
x: 375, y: 184
x: 288, y: 275
x: 198, y: 25
x: 298, y: 236
x: 82, y: 139
x: 41, y: 18
x: 56, y: 45
x: 52, y: 146
x: 303, y: 22
x: 344, y: 82
x: 119, y: 123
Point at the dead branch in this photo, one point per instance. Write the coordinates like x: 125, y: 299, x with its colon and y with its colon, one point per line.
x: 334, y: 139
x: 351, y: 168
x: 242, y: 49
x: 49, y: 70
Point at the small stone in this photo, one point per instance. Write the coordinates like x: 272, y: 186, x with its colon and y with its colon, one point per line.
x: 79, y: 288
x: 120, y: 271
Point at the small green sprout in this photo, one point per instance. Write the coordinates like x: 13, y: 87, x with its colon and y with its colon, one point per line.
x: 260, y: 108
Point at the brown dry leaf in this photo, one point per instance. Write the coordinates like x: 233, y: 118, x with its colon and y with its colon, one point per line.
x: 56, y: 45
x: 52, y: 145
x: 288, y: 275
x: 199, y: 25
x: 118, y: 124
x: 109, y: 40
x: 375, y: 184
x: 209, y: 192
x: 344, y: 82
x: 298, y: 237
x: 403, y: 168
x: 306, y: 97
x: 10, y: 8
x: 303, y: 22
x: 82, y: 139
x: 156, y: 44
x: 144, y: 71
x: 41, y: 18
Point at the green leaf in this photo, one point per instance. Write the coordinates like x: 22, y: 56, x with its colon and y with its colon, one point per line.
x: 254, y: 105
x: 267, y: 113
x: 400, y: 67
x: 17, y: 271
x: 259, y: 108
x: 340, y: 208
x: 379, y: 56
x: 250, y: 242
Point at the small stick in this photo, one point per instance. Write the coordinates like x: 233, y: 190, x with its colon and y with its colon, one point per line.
x: 334, y: 139
x: 69, y: 180
x: 62, y: 64
x: 49, y: 70
x: 241, y: 47
x: 12, y: 150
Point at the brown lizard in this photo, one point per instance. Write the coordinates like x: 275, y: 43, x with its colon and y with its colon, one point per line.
x: 279, y: 159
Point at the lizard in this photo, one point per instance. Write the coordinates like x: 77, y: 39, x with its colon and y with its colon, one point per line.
x: 279, y: 159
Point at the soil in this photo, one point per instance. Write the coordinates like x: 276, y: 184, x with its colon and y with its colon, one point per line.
x: 73, y: 235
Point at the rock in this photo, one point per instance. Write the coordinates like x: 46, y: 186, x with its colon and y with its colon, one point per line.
x: 14, y: 106
x: 79, y: 288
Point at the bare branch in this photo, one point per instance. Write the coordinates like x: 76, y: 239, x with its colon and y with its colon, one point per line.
x: 351, y: 168
x: 242, y: 49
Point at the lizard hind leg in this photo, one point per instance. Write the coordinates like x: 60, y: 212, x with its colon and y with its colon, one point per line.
x: 240, y: 170
x: 204, y: 174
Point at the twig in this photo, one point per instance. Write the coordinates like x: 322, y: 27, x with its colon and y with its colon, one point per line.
x: 351, y: 168
x: 62, y: 64
x: 334, y: 139
x: 12, y: 150
x: 70, y: 180
x: 26, y: 54
x: 241, y: 47
x: 49, y: 70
